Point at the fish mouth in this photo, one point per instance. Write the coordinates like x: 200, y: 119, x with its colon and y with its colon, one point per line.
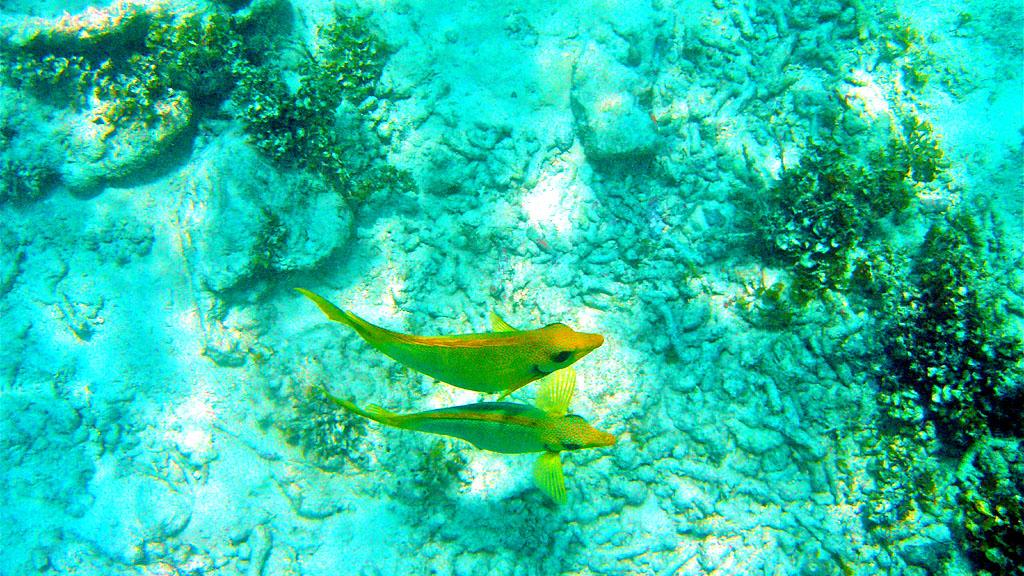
x: 607, y: 439
x: 590, y: 342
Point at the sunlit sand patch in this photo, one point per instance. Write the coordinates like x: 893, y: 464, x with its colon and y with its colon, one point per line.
x: 606, y: 387
x: 868, y: 93
x: 490, y: 476
x: 380, y: 293
x: 588, y: 318
x: 554, y: 203
x: 444, y: 396
x: 392, y: 287
x: 188, y: 426
x: 550, y: 203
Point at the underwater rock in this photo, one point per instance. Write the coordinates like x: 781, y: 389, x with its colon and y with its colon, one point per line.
x: 131, y: 511
x: 755, y: 440
x: 927, y: 549
x: 609, y: 119
x: 67, y: 557
x: 241, y: 217
x: 692, y: 315
x: 161, y: 511
x: 89, y: 28
x: 120, y: 241
x: 261, y: 543
x: 310, y: 493
x: 99, y: 151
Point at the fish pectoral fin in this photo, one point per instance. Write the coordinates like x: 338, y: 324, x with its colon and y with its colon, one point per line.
x: 503, y: 394
x: 556, y: 390
x: 499, y: 325
x: 547, y: 473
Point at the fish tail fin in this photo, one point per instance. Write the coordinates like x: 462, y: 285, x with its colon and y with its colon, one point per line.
x: 372, y: 412
x: 369, y: 332
x: 342, y: 402
x: 381, y: 415
x: 333, y: 312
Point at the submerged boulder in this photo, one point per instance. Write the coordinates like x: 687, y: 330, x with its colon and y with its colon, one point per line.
x: 100, y: 151
x: 241, y: 217
x: 609, y: 119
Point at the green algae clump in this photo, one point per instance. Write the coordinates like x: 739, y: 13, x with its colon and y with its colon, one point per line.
x: 948, y: 340
x: 824, y: 211
x: 328, y: 437
x: 952, y: 388
x: 992, y: 482
x: 299, y: 128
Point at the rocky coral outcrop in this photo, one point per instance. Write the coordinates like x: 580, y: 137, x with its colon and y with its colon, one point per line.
x: 98, y: 152
x: 240, y: 217
x: 605, y: 102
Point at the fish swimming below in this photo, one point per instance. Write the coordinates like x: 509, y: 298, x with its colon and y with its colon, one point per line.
x: 492, y: 362
x: 509, y: 428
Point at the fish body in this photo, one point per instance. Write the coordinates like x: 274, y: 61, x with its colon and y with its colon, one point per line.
x: 503, y: 427
x: 508, y: 428
x: 496, y: 426
x: 490, y: 362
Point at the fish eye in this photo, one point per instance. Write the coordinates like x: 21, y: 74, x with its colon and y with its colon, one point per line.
x: 562, y: 356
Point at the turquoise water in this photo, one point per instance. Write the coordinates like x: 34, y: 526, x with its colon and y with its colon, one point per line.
x: 798, y: 227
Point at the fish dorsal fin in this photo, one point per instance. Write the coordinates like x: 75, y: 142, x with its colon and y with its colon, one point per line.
x: 556, y: 390
x: 547, y: 473
x: 499, y: 325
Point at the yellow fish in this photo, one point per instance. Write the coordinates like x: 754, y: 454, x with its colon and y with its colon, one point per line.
x: 509, y: 428
x: 492, y: 362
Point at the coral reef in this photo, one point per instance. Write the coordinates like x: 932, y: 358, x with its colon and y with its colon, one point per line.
x: 29, y: 164
x: 21, y: 183
x: 434, y: 475
x: 949, y: 389
x: 129, y: 77
x: 120, y: 242
x: 349, y: 60
x: 126, y: 58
